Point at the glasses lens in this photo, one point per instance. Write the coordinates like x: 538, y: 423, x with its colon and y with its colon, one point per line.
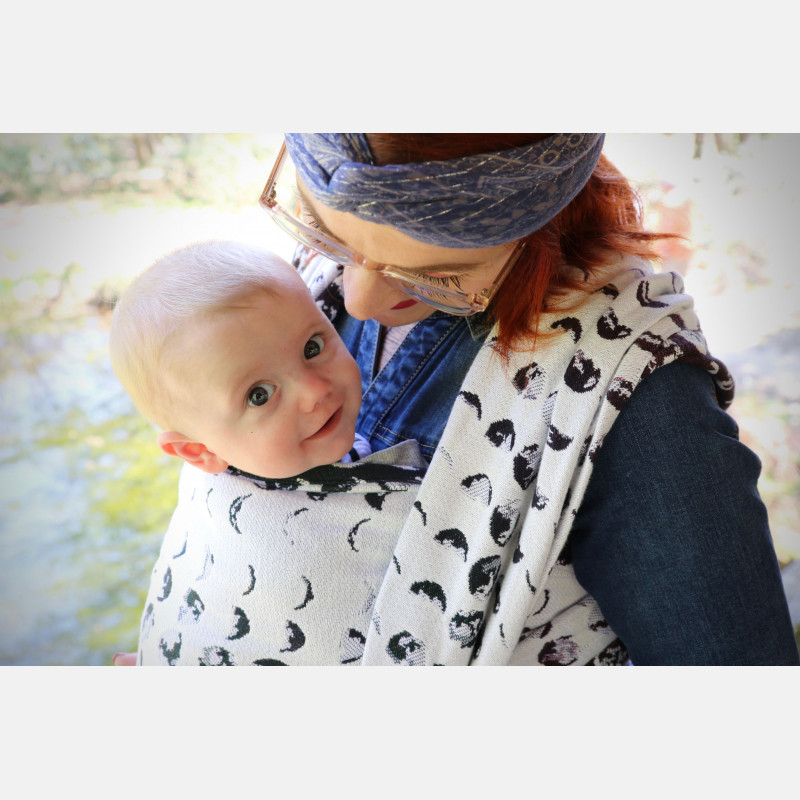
x: 306, y: 235
x: 286, y: 207
x: 437, y: 297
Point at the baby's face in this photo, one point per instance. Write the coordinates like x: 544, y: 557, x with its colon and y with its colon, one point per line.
x: 269, y: 387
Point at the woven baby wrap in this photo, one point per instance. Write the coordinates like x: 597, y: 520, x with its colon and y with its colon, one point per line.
x: 494, y: 511
x: 463, y: 566
x: 260, y: 572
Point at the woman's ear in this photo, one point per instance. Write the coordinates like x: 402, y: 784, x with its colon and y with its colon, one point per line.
x: 194, y: 453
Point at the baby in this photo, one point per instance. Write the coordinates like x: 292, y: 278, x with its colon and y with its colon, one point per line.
x: 285, y: 524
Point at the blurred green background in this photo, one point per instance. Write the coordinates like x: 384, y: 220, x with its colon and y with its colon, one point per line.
x: 85, y: 494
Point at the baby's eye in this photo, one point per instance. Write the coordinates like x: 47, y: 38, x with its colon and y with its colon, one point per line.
x: 259, y: 395
x: 314, y: 346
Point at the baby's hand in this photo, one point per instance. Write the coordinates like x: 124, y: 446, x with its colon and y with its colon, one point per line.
x: 124, y: 660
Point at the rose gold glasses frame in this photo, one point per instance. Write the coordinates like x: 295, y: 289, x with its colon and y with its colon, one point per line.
x: 408, y: 281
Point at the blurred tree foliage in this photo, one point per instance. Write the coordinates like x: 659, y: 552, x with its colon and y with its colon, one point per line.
x: 109, y: 490
x: 23, y: 324
x: 170, y: 168
x: 31, y: 334
x: 724, y: 142
x: 130, y: 489
x: 130, y: 169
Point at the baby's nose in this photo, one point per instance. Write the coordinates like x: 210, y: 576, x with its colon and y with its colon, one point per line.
x: 313, y: 388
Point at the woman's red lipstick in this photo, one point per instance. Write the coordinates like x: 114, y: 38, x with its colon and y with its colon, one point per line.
x: 404, y: 304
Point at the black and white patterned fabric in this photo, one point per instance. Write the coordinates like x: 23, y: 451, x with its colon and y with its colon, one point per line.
x: 269, y: 573
x: 477, y: 577
x: 460, y: 567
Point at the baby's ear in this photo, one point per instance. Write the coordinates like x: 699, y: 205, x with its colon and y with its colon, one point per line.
x: 194, y: 453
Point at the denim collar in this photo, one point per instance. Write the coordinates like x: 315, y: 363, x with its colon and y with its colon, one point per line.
x: 479, y: 325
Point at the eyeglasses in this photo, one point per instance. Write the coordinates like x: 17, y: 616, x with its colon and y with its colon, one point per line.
x: 282, y: 200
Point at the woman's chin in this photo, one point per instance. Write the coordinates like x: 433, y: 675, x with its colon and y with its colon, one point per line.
x: 395, y: 317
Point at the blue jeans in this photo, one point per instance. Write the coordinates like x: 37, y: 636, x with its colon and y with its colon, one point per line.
x: 672, y: 538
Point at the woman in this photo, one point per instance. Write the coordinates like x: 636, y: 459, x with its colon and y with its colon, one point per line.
x: 587, y: 499
x: 499, y: 300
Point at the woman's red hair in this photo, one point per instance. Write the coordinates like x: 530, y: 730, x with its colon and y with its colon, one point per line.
x: 605, y: 218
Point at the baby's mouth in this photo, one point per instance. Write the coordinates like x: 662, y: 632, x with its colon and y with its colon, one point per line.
x: 329, y: 426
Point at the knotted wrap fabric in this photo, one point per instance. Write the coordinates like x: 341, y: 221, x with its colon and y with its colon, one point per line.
x: 475, y: 201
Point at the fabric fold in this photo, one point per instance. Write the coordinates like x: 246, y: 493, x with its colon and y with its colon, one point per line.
x: 496, y: 506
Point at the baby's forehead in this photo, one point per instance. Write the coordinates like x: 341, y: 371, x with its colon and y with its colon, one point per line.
x: 277, y: 285
x: 290, y: 297
x: 290, y: 288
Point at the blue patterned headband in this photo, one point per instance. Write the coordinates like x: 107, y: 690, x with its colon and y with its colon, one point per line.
x: 474, y: 201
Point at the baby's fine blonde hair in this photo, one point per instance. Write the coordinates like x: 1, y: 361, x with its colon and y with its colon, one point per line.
x: 177, y: 289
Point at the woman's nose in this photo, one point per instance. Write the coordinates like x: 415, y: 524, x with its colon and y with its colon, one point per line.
x: 367, y: 293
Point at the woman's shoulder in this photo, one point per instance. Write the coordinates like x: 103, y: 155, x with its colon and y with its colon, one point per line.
x: 675, y: 395
x: 671, y: 438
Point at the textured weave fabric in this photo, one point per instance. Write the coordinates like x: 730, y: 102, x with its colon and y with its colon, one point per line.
x: 270, y: 573
x: 496, y: 506
x: 475, y: 201
x: 473, y: 575
x: 498, y: 500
